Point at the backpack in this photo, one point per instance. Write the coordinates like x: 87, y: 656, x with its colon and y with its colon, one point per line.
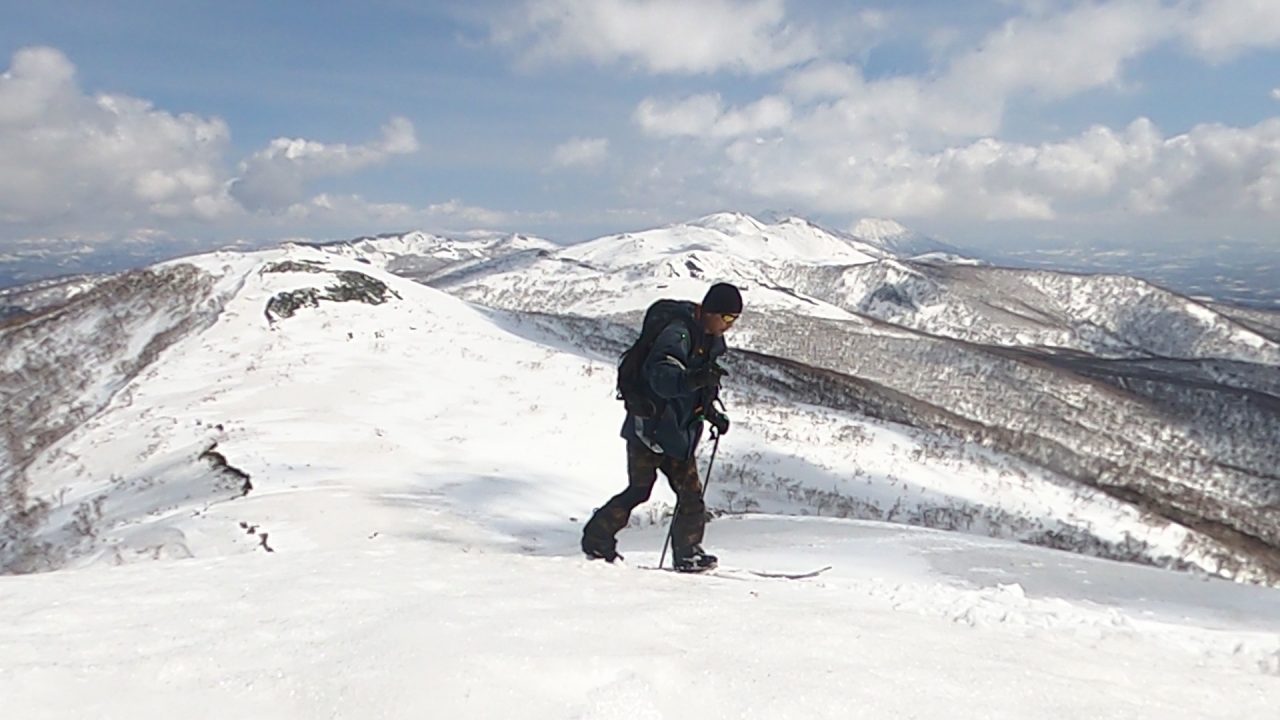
x: 633, y: 391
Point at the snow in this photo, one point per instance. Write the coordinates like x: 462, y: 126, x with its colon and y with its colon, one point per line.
x: 430, y: 618
x: 421, y: 470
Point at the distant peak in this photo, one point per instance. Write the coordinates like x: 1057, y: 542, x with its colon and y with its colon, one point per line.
x: 795, y: 220
x: 878, y: 229
x: 402, y: 237
x: 728, y: 220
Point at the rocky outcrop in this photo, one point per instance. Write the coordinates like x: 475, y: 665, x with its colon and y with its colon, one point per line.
x: 349, y: 286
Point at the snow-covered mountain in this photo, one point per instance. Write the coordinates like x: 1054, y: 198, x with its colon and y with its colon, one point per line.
x: 624, y: 273
x: 365, y: 472
x: 1103, y: 315
x: 418, y: 253
x: 901, y: 241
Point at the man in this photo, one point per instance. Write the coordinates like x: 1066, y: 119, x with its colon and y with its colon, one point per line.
x: 681, y: 378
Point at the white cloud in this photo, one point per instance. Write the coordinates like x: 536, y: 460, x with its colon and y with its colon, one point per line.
x: 276, y: 177
x: 767, y: 113
x: 327, y: 213
x: 1050, y: 52
x: 1275, y: 94
x: 460, y: 214
x: 1212, y: 169
x: 581, y: 152
x: 705, y: 116
x: 1215, y: 168
x: 1222, y: 29
x: 660, y: 36
x: 692, y: 116
x: 1046, y: 55
x: 102, y: 165
x: 65, y: 154
x: 824, y: 80
x: 1062, y: 54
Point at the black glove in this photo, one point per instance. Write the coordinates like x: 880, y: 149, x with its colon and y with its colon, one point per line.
x: 704, y: 377
x: 718, y: 420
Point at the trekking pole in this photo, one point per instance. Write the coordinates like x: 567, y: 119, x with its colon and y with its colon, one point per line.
x: 715, y: 437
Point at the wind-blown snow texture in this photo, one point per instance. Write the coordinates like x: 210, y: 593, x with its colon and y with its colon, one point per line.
x: 376, y: 500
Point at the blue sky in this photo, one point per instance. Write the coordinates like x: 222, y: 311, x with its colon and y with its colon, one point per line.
x: 999, y: 124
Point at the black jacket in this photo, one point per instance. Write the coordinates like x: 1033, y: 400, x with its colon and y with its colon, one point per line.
x: 679, y: 347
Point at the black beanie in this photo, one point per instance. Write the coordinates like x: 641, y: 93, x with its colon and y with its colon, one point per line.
x: 723, y: 298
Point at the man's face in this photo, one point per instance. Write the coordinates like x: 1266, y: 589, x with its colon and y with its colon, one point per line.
x: 718, y: 323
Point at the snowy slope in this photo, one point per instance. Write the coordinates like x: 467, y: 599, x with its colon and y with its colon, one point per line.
x: 428, y: 618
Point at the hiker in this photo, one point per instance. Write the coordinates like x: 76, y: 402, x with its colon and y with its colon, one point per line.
x: 670, y: 382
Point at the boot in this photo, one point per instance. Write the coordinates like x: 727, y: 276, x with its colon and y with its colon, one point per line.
x: 694, y: 560
x: 598, y: 548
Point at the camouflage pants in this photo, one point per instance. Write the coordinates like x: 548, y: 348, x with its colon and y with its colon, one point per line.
x: 642, y: 473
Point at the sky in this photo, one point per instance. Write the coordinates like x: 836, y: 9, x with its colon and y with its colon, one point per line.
x: 1009, y: 123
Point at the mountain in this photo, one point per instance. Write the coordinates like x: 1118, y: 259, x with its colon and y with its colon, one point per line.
x: 900, y: 241
x: 304, y: 485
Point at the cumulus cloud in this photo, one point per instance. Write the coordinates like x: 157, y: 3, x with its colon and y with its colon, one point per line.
x: 580, y: 152
x: 1137, y: 170
x: 1214, y: 168
x: 64, y: 153
x: 98, y: 165
x: 276, y: 177
x: 660, y: 36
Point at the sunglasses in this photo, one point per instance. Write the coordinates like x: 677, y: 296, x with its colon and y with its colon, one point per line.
x: 728, y: 318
